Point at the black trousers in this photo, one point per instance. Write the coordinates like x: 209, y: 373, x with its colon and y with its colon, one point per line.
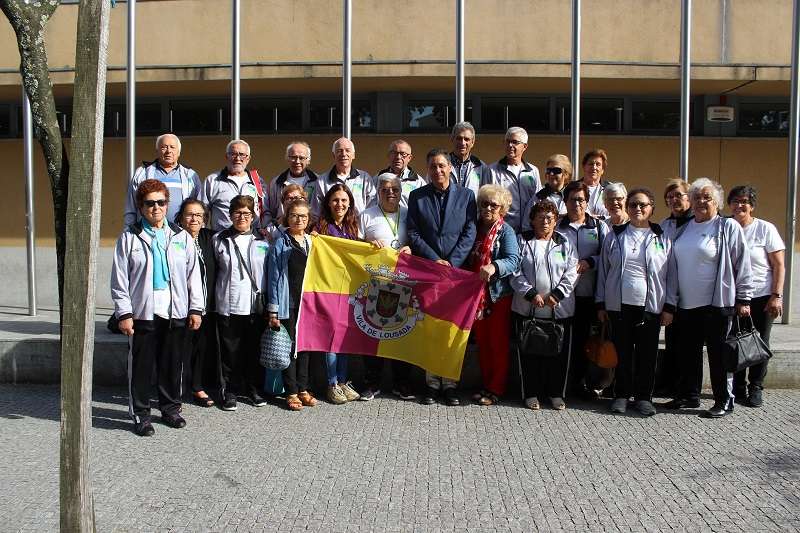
x: 545, y: 376
x: 704, y: 325
x: 239, y: 338
x: 635, y: 336
x: 202, y: 365
x: 585, y: 317
x: 753, y: 377
x: 158, y: 344
x: 373, y: 371
x: 295, y: 377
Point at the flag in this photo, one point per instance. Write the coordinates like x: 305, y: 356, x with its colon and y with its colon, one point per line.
x: 361, y: 300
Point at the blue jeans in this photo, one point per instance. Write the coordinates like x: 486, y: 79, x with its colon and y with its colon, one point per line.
x: 337, y: 368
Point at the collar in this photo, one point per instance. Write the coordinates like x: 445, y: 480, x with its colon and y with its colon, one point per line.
x: 454, y: 159
x: 589, y: 222
x: 655, y: 228
x: 409, y: 172
x: 556, y: 237
x: 546, y: 191
x: 333, y: 173
x: 504, y: 163
x: 284, y: 176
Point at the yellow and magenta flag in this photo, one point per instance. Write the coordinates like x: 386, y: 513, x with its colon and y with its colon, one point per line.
x: 361, y: 300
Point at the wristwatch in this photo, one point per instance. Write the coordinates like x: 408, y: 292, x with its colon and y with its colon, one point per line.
x: 777, y: 295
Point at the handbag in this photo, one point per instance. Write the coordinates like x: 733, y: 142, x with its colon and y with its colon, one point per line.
x: 276, y: 348
x: 541, y: 337
x: 601, y: 351
x: 744, y: 348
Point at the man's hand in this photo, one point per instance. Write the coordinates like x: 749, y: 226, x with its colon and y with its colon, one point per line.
x: 487, y: 271
x: 443, y: 262
x: 583, y: 266
x: 666, y: 318
x: 742, y: 310
x: 126, y: 326
x: 194, y: 322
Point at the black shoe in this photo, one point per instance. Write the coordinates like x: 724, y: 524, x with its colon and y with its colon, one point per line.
x: 404, y: 393
x: 718, y: 410
x: 174, y: 421
x: 681, y: 403
x: 741, y: 398
x: 257, y: 400
x: 145, y: 429
x: 451, y: 398
x: 429, y: 396
x: 756, y: 398
x: 229, y: 404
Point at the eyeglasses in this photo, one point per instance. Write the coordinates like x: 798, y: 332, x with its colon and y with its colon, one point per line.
x: 492, y: 206
x: 190, y: 216
x: 238, y: 155
x: 740, y: 201
x: 579, y: 201
x: 297, y: 216
x: 546, y: 219
x: 705, y: 198
x: 514, y: 142
x: 401, y: 154
x: 153, y: 203
x: 292, y: 198
x: 617, y: 200
x: 300, y: 158
x: 242, y: 214
x: 675, y: 196
x: 555, y: 171
x: 638, y: 205
x: 387, y: 190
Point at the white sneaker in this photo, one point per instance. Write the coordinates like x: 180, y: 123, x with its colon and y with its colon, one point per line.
x: 619, y: 405
x: 349, y: 392
x: 336, y: 395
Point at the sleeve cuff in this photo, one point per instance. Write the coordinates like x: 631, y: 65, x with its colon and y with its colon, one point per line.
x: 125, y: 316
x: 558, y: 294
x: 600, y: 306
x: 272, y: 308
x: 530, y: 295
x: 743, y: 301
x: 669, y: 308
x: 590, y: 260
x: 195, y: 312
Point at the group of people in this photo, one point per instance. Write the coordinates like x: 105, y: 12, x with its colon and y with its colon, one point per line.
x: 203, y: 267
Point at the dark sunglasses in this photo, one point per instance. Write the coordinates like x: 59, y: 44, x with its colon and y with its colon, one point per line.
x: 153, y: 203
x: 639, y: 205
x: 555, y: 171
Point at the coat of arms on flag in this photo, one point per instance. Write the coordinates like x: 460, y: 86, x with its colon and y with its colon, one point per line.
x: 385, y: 306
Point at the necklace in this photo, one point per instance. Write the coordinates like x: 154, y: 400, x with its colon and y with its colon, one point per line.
x: 637, y: 239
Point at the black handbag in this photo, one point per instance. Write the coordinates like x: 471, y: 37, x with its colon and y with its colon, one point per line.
x: 541, y: 337
x: 744, y: 348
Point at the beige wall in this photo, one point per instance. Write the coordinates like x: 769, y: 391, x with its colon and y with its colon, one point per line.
x: 634, y: 160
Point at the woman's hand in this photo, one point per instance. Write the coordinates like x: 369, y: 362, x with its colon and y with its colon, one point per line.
x: 487, y: 271
x: 194, y: 322
x: 126, y: 326
x: 538, y: 301
x: 602, y: 315
x: 274, y: 323
x: 774, y: 307
x: 583, y: 266
x: 551, y: 301
x: 742, y: 310
x: 405, y: 250
x: 377, y: 243
x: 666, y: 318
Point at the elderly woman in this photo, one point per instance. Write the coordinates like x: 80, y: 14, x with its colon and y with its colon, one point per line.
x: 594, y: 165
x: 557, y: 173
x: 766, y: 250
x: 634, y: 301
x: 543, y: 288
x: 286, y: 268
x: 203, y: 355
x: 157, y: 293
x: 241, y: 284
x: 614, y: 196
x: 712, y: 268
x: 290, y: 193
x: 586, y: 234
x: 384, y: 225
x: 338, y: 218
x: 495, y: 257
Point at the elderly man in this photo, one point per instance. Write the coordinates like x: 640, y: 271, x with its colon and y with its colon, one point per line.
x: 515, y: 174
x: 399, y: 157
x: 468, y: 171
x: 298, y: 155
x: 359, y: 182
x: 441, y: 226
x: 182, y: 181
x: 234, y: 179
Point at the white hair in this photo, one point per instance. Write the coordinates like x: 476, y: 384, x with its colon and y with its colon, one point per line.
x: 237, y: 141
x: 615, y: 188
x: 298, y: 143
x: 340, y: 139
x: 702, y: 183
x: 461, y: 126
x: 387, y: 177
x: 516, y: 130
x: 164, y: 136
x: 395, y: 142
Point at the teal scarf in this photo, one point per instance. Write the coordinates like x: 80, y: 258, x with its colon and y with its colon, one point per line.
x: 159, y: 247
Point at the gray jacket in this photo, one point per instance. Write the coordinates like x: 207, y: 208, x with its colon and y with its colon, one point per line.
x: 732, y: 285
x: 190, y: 187
x: 225, y: 254
x: 217, y: 192
x: 587, y: 241
x: 611, y: 269
x: 561, y: 263
x: 521, y: 189
x: 132, y: 275
x: 359, y: 182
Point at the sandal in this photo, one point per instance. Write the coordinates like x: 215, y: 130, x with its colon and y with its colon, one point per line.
x: 202, y: 401
x: 306, y: 398
x: 488, y: 399
x: 293, y: 402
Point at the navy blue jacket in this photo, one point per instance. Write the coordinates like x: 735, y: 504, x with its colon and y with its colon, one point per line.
x: 432, y: 239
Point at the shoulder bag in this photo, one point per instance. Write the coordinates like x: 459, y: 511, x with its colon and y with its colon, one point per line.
x: 744, y: 348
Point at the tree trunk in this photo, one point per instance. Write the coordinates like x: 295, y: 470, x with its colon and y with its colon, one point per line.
x: 80, y: 275
x: 29, y: 21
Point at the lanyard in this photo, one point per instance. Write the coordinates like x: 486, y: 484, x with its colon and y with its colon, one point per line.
x: 389, y: 221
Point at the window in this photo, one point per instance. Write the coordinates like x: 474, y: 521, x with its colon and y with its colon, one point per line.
x: 597, y: 114
x: 271, y: 116
x: 433, y: 116
x: 148, y: 119
x: 657, y: 116
x: 326, y: 115
x: 533, y: 114
x: 199, y: 117
x: 5, y: 120
x: 770, y: 118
